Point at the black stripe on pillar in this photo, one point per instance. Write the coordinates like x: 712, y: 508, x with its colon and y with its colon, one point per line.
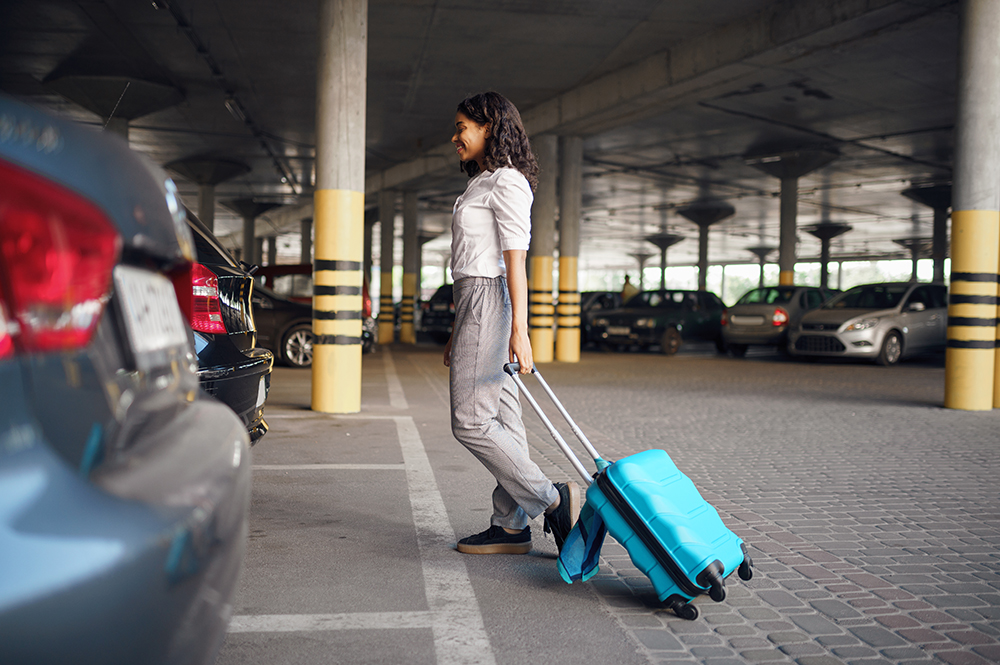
x: 959, y: 299
x: 974, y: 277
x: 969, y: 321
x: 972, y: 344
x: 331, y: 340
x: 323, y: 264
x: 337, y: 290
x: 343, y: 315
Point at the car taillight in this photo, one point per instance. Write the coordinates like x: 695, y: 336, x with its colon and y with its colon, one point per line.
x: 206, y: 307
x: 780, y: 317
x: 725, y: 317
x: 58, y: 252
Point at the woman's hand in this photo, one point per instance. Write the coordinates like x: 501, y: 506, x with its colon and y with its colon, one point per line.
x: 520, y: 351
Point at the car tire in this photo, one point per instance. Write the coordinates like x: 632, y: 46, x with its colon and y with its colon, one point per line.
x: 670, y: 343
x: 721, y: 346
x: 296, y: 345
x: 892, y: 349
x: 738, y: 350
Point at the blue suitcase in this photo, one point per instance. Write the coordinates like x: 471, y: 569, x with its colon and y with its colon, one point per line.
x: 672, y: 535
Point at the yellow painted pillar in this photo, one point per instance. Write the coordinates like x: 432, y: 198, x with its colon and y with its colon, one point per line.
x: 407, y: 333
x: 541, y: 310
x: 411, y: 250
x: 568, y: 312
x: 339, y: 205
x: 386, y: 307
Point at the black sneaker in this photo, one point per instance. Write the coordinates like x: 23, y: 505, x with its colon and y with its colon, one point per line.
x: 562, y: 519
x: 497, y: 541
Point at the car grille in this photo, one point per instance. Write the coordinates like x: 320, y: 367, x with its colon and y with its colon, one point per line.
x: 806, y: 325
x: 819, y: 344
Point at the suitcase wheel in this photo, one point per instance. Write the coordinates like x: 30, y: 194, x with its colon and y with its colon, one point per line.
x: 687, y: 611
x: 745, y: 571
x: 717, y: 591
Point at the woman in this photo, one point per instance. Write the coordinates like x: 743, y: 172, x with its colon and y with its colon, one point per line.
x: 491, y: 230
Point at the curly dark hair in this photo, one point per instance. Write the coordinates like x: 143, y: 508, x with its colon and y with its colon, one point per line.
x: 507, y: 143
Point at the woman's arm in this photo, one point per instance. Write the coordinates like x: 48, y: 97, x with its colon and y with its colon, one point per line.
x: 517, y: 285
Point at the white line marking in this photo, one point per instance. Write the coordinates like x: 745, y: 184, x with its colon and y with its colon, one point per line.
x: 291, y: 623
x: 328, y: 467
x: 459, y: 632
x: 397, y: 399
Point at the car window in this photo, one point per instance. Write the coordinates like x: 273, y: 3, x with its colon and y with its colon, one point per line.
x: 813, y: 299
x: 769, y: 295
x: 939, y: 296
x: 922, y: 295
x: 869, y: 296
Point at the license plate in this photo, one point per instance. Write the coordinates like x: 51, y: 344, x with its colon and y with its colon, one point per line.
x: 619, y: 330
x: 149, y: 306
x: 747, y: 320
x: 439, y: 308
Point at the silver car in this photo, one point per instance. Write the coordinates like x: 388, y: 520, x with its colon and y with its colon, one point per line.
x: 763, y: 316
x: 884, y: 322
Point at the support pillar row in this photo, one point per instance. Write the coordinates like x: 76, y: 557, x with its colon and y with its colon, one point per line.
x: 386, y: 307
x: 570, y: 203
x: 541, y: 308
x: 411, y: 250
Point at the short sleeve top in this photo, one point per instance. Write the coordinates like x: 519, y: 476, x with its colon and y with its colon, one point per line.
x: 492, y: 215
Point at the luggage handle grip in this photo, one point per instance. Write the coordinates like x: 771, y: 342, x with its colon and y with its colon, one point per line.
x: 513, y: 369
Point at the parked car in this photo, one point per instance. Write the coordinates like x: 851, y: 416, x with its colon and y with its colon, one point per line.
x: 124, y: 490
x: 663, y: 319
x: 883, y: 322
x: 438, y: 314
x: 592, y: 304
x: 231, y: 367
x: 293, y: 282
x: 763, y: 316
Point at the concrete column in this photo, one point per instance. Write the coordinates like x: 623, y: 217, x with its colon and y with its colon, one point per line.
x: 272, y: 250
x: 761, y: 253
x: 826, y: 232
x: 386, y: 308
x: 339, y: 204
x: 411, y: 248
x: 787, y: 237
x: 541, y: 308
x: 249, y: 210
x: 970, y: 360
x: 938, y: 198
x: 306, y: 226
x: 664, y: 241
x: 704, y: 213
x: 570, y: 201
x: 207, y: 172
x: 206, y: 205
x: 258, y: 250
x: 371, y: 216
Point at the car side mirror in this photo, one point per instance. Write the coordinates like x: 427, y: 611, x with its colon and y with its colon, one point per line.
x: 916, y: 307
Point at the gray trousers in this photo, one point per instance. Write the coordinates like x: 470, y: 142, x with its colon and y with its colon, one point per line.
x: 485, y: 410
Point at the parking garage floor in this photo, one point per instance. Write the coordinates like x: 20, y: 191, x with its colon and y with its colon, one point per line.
x: 872, y: 515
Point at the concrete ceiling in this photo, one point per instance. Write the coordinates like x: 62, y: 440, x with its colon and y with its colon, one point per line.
x: 674, y: 99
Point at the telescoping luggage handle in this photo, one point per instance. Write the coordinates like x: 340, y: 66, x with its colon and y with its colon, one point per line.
x: 514, y: 370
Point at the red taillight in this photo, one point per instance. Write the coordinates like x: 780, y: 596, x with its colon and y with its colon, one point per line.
x: 206, y: 308
x: 725, y: 317
x: 779, y: 318
x: 58, y: 251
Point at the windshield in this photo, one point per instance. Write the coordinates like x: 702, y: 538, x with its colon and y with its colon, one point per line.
x: 658, y: 299
x: 872, y: 296
x: 767, y: 296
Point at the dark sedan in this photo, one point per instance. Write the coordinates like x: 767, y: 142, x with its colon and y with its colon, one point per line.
x: 124, y: 490
x: 663, y: 319
x: 230, y: 365
x: 284, y: 326
x: 437, y: 315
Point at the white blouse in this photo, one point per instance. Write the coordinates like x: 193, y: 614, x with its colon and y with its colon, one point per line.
x: 492, y: 215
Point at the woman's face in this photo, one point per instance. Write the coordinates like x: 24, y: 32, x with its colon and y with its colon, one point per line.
x: 470, y: 139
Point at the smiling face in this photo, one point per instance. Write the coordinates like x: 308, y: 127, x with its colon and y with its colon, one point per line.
x: 470, y: 139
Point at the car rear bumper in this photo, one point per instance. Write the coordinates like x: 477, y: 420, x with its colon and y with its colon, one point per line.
x: 770, y: 336
x: 243, y: 387
x: 136, y: 564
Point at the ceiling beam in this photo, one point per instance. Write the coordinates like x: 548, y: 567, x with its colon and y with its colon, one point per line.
x: 722, y: 57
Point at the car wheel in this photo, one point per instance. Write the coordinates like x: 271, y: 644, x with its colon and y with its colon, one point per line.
x: 738, y: 350
x: 671, y: 341
x: 297, y: 345
x: 721, y: 346
x: 892, y: 349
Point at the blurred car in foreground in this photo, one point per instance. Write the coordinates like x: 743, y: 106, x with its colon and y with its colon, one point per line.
x: 763, y: 316
x: 437, y: 315
x: 284, y: 326
x: 592, y: 304
x: 231, y: 367
x: 124, y: 490
x: 883, y: 322
x: 663, y: 319
x: 294, y: 282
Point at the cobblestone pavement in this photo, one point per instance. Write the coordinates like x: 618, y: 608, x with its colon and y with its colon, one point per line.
x: 872, y: 514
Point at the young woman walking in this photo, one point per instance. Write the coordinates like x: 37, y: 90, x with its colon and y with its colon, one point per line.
x: 491, y: 230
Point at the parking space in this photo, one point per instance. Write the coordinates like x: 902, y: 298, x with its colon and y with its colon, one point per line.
x: 871, y: 514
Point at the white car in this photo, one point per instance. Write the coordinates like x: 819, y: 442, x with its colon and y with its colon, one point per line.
x: 883, y: 322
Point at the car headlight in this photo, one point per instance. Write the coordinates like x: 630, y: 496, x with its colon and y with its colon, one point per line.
x: 645, y: 323
x: 863, y: 324
x: 600, y: 322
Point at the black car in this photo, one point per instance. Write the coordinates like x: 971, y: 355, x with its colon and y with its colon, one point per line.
x: 663, y: 319
x: 284, y: 326
x: 230, y: 365
x: 124, y: 490
x: 437, y: 315
x: 592, y: 305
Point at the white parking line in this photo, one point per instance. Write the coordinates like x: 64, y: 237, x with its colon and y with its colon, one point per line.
x: 397, y: 399
x: 307, y: 623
